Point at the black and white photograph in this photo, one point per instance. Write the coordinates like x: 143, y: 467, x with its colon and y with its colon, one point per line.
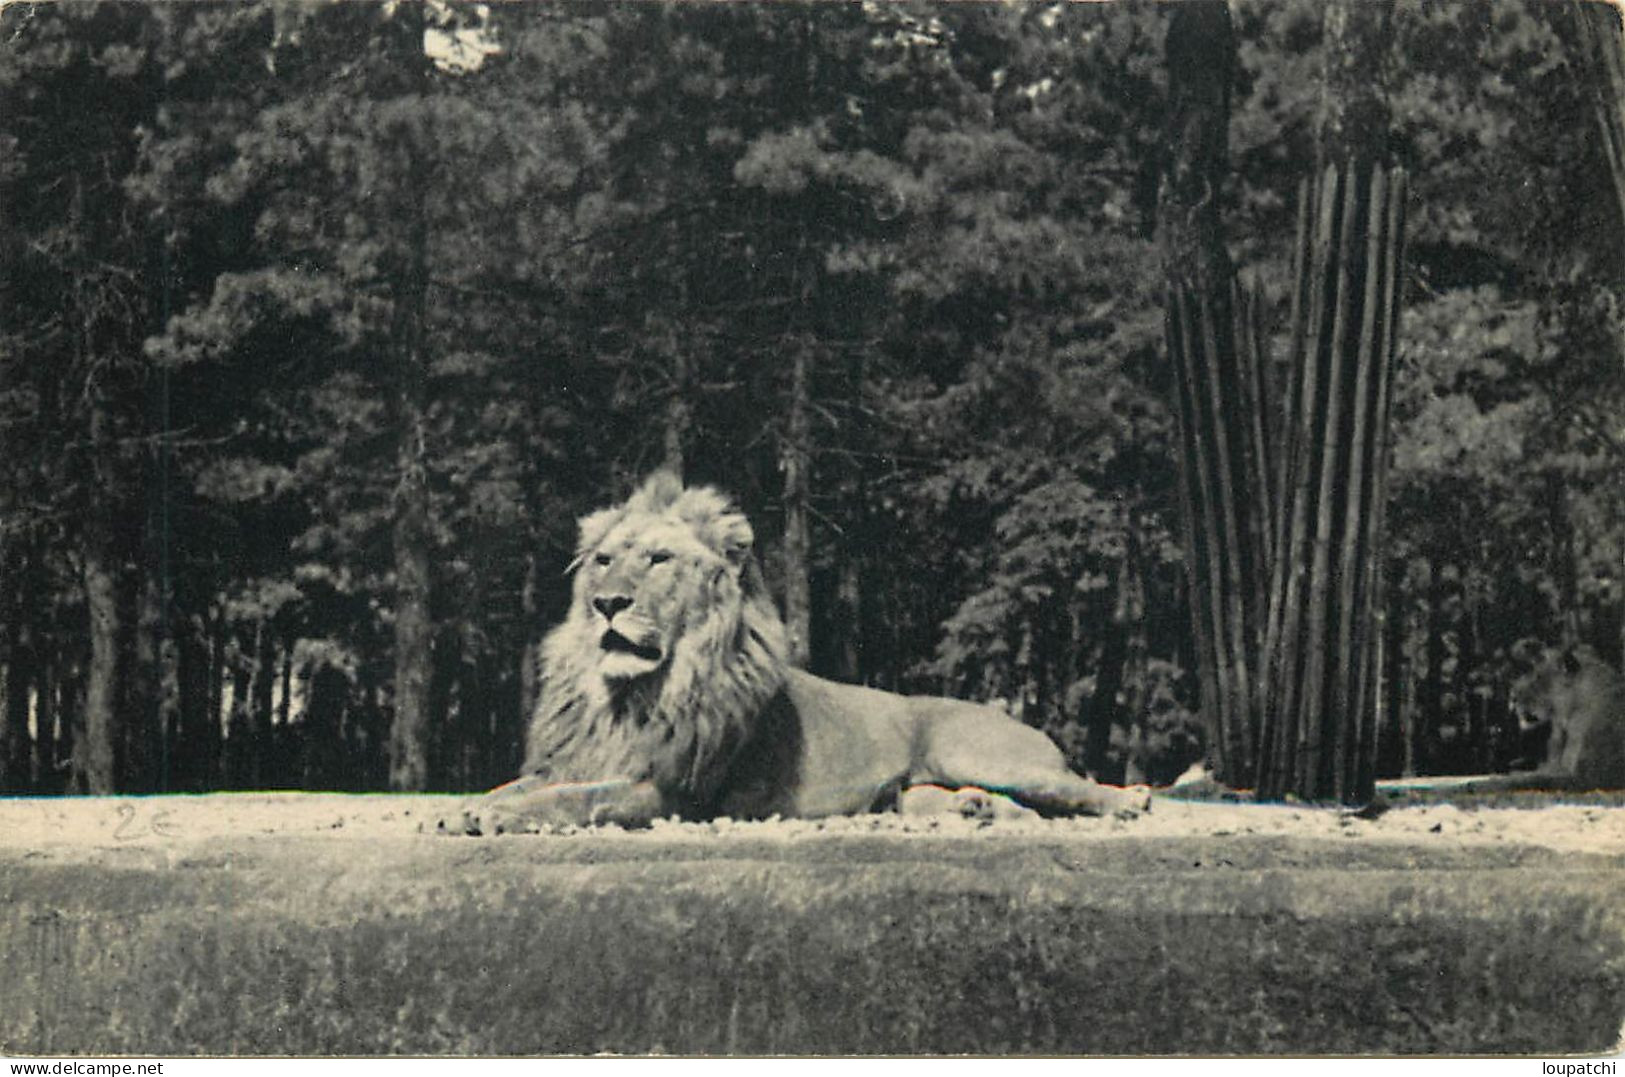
x: 812, y: 529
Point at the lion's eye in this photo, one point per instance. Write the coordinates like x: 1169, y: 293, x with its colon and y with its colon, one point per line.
x: 659, y: 556
x: 602, y: 559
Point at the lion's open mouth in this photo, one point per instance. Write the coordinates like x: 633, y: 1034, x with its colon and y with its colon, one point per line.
x: 615, y: 643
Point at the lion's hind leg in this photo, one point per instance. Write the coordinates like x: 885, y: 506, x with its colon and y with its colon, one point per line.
x: 979, y: 747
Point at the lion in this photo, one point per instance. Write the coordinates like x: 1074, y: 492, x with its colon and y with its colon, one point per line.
x: 666, y: 692
x: 1581, y: 700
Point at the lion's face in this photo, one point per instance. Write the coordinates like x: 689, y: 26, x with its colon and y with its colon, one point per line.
x: 669, y: 651
x: 642, y: 587
x: 658, y: 585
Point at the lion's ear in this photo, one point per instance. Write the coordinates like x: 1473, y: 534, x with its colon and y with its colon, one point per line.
x: 716, y: 522
x: 734, y: 538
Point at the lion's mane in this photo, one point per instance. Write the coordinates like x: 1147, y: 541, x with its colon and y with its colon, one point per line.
x: 682, y: 726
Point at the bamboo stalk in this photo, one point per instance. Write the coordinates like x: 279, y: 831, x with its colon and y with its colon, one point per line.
x: 1241, y: 349
x: 1394, y: 265
x: 1268, y: 394
x: 1368, y: 639
x: 1310, y: 193
x: 1207, y: 528
x: 1230, y: 626
x: 1608, y: 84
x: 1270, y: 686
x: 1259, y: 505
x: 1312, y: 704
x: 1285, y: 645
x: 1189, y: 476
x: 1256, y: 504
x: 1265, y: 504
x: 1370, y: 673
x: 1351, y: 630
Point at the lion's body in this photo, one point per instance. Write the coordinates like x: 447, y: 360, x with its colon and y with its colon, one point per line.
x: 665, y: 691
x: 825, y: 748
x: 1584, y: 702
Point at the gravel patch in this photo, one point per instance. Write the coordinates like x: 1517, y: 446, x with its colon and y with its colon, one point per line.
x: 97, y: 822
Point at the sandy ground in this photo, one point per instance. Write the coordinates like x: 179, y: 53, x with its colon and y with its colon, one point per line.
x: 98, y: 822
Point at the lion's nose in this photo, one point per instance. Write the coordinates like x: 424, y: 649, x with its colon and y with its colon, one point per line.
x: 610, y: 605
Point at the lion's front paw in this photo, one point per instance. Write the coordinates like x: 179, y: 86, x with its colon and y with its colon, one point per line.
x: 533, y: 806
x: 477, y: 817
x: 976, y: 803
x: 457, y: 823
x: 1131, y: 802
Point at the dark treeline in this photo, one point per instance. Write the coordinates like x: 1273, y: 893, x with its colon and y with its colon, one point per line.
x: 321, y: 323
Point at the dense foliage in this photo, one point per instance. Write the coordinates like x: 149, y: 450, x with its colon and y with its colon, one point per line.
x: 297, y: 300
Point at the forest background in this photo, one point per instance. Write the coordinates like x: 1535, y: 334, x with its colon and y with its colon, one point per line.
x: 321, y: 323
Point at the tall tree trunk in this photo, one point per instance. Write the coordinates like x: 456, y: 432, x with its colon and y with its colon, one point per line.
x: 16, y: 687
x: 1458, y: 751
x: 1411, y: 664
x: 190, y: 754
x: 1395, y: 678
x: 1119, y: 684
x: 1602, y: 27
x: 445, y: 708
x: 1431, y: 708
x: 326, y: 746
x: 409, y: 733
x: 849, y: 603
x: 1564, y: 567
x: 1135, y: 689
x: 145, y: 766
x: 530, y: 659
x: 42, y: 762
x: 289, y: 736
x: 169, y: 711
x: 218, y: 775
x: 1222, y: 409
x: 17, y: 671
x: 152, y: 703
x: 284, y: 691
x: 1604, y: 37
x: 239, y: 741
x: 95, y: 759
x: 70, y: 718
x: 678, y: 414
x: 1475, y: 713
x: 797, y: 499
x: 795, y: 458
x: 261, y: 692
x: 848, y: 622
